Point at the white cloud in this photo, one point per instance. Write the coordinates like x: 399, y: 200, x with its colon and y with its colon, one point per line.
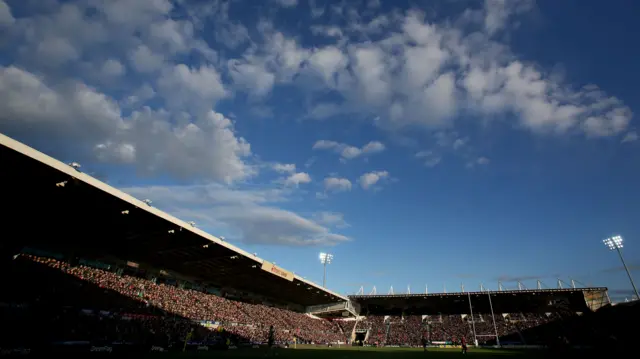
x: 325, y: 145
x: 206, y: 145
x: 171, y: 35
x: 27, y: 100
x: 184, y: 86
x: 332, y: 219
x: 459, y: 143
x: 429, y: 158
x: 6, y: 18
x: 135, y: 13
x: 293, y: 178
x: 498, y: 12
x: 231, y: 34
x: 328, y: 31
x: 483, y: 161
x: 160, y: 111
x: 113, y: 67
x: 324, y: 110
x: 368, y: 180
x: 116, y: 152
x: 247, y: 215
x: 480, y: 161
x: 297, y: 178
x: 348, y: 152
x: 337, y: 184
x: 287, y: 3
x: 144, y: 60
x: 179, y: 135
x: 427, y: 73
x: 316, y: 11
x: 284, y: 167
x: 57, y: 51
x: 327, y: 62
x: 374, y: 4
x: 254, y: 79
x: 140, y: 96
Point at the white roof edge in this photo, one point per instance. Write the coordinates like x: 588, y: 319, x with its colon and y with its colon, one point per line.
x: 63, y: 167
x: 321, y: 288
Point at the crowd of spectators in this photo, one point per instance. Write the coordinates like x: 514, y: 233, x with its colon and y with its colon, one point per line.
x: 377, y: 327
x: 99, y: 304
x: 154, y: 303
x: 405, y: 330
x: 411, y: 330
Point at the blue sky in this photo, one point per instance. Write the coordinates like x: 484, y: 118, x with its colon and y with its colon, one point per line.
x: 422, y: 143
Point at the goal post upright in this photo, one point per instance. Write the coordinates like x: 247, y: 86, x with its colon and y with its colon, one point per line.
x: 493, y: 317
x: 473, y: 323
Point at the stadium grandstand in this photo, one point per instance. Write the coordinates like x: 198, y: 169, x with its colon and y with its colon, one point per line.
x: 480, y: 317
x: 92, y: 268
x: 61, y: 209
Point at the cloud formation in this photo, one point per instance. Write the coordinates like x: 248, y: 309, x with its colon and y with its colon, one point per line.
x: 63, y: 84
x: 429, y: 158
x: 414, y: 72
x: 348, y: 152
x: 139, y: 80
x: 332, y: 219
x: 146, y: 85
x: 250, y: 215
x: 297, y: 178
x: 337, y: 184
x: 6, y: 18
x: 369, y: 180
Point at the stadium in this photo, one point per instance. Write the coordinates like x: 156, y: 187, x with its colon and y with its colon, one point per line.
x: 92, y: 269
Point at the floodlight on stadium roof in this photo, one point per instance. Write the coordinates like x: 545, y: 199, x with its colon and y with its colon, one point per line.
x: 614, y: 242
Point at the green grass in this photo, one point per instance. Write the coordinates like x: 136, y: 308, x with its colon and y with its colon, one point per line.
x: 360, y: 352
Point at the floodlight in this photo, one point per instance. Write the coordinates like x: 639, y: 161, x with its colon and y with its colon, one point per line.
x: 615, y: 243
x: 325, y: 258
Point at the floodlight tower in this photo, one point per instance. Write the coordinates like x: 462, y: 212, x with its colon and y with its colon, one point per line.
x: 325, y: 258
x: 615, y: 242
